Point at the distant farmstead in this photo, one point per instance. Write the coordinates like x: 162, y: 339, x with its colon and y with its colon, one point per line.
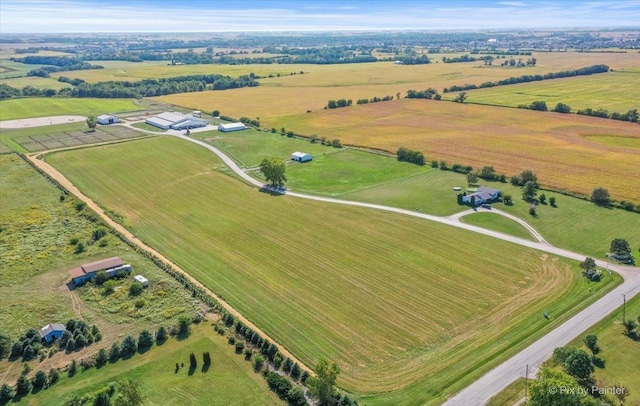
x: 301, y: 157
x: 87, y: 271
x: 176, y: 121
x: 52, y: 332
x: 231, y: 127
x: 107, y: 119
x: 481, y: 196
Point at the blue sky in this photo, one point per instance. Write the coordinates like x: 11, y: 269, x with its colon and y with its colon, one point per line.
x: 311, y: 15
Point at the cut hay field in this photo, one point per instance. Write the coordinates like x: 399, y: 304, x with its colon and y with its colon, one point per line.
x: 288, y: 95
x: 229, y: 381
x: 575, y: 224
x: 400, y: 303
x: 617, y: 91
x: 53, y: 106
x: 557, y: 147
x: 34, y: 81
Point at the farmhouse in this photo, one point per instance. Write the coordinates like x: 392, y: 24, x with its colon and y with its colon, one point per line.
x: 301, y: 157
x: 107, y: 119
x: 482, y: 195
x: 52, y: 332
x: 144, y: 281
x: 87, y: 271
x: 231, y: 127
x: 175, y: 121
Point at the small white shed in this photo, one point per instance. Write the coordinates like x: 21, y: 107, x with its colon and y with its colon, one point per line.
x: 107, y: 119
x: 144, y: 281
x: 301, y: 157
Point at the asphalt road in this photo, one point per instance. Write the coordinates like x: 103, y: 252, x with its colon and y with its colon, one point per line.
x: 499, y: 378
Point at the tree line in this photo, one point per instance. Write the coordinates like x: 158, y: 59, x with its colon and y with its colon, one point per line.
x: 540, y: 105
x: 589, y: 70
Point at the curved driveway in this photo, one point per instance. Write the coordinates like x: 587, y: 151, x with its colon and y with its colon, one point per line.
x: 497, y: 379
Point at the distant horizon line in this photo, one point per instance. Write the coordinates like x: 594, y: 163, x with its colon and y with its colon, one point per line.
x: 351, y: 30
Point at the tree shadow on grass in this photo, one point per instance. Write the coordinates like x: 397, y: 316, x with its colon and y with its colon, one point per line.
x: 272, y: 191
x: 192, y: 369
x: 205, y: 368
x: 142, y: 350
x: 599, y: 362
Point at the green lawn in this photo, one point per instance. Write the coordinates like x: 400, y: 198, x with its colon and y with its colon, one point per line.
x: 497, y: 222
x: 346, y: 171
x: 250, y: 146
x: 401, y: 304
x: 510, y: 396
x: 229, y: 381
x: 37, y: 255
x: 574, y: 224
x: 613, y: 91
x: 12, y: 109
x: 620, y: 353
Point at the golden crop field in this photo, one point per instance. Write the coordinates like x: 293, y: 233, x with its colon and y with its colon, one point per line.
x: 288, y: 95
x: 561, y: 149
x: 400, y: 303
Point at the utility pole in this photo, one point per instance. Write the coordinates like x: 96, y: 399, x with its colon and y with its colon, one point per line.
x: 526, y: 383
x: 624, y: 307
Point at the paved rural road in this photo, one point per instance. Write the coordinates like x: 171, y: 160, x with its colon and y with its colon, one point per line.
x: 499, y: 378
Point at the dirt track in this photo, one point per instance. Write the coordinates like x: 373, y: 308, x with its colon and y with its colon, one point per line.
x: 91, y: 204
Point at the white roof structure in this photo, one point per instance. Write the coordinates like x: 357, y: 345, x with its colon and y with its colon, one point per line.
x: 231, y: 127
x: 299, y: 154
x: 141, y: 279
x: 51, y: 327
x: 177, y: 121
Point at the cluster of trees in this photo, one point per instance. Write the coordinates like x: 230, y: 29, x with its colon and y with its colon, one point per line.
x: 631, y: 115
x: 413, y: 59
x: 56, y: 64
x: 336, y: 143
x: 409, y: 155
x: 283, y: 387
x: 247, y: 121
x: 41, y: 380
x: 124, y: 392
x: 590, y: 271
x: 429, y: 94
x: 335, y: 104
x: 589, y: 70
x: 376, y: 99
x: 512, y: 62
x: 274, y: 171
x: 458, y: 59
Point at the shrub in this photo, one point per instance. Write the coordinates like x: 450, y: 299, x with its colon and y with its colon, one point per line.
x: 145, y: 339
x: 80, y: 206
x: 39, y: 380
x: 184, y: 323
x: 248, y: 353
x: 114, y: 352
x: 98, y: 233
x: 54, y: 376
x: 258, y: 362
x: 79, y: 248
x: 161, y: 335
x: 109, y: 287
x: 296, y: 371
x: 73, y: 368
x: 23, y: 386
x: 74, y: 241
x: 287, y: 365
x: 304, y: 376
x: 101, y: 357
x: 71, y: 345
x: 277, y: 361
x: 279, y: 384
x: 129, y: 346
x: 552, y: 201
x: 239, y: 346
x: 135, y: 288
x: 295, y: 396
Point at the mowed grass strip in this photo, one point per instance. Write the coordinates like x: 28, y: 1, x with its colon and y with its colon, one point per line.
x: 230, y: 380
x: 497, y: 222
x: 614, y: 91
x: 555, y: 146
x: 58, y: 106
x: 398, y: 302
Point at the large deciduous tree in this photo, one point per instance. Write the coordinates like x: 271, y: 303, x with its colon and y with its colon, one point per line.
x: 274, y: 171
x: 92, y: 122
x: 554, y: 387
x: 601, y: 196
x: 322, y: 386
x: 620, y: 248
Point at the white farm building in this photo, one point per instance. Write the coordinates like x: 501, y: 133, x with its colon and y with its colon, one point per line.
x: 144, y: 281
x: 301, y: 157
x: 231, y: 127
x: 175, y: 121
x: 106, y: 119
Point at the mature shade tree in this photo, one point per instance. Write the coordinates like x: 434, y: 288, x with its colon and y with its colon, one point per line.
x: 128, y: 393
x: 461, y: 97
x: 601, y: 196
x: 472, y: 178
x: 591, y: 341
x: 620, y: 247
x: 216, y: 113
x: 92, y: 122
x: 507, y: 199
x: 545, y: 390
x: 488, y: 173
x: 579, y: 365
x: 322, y: 386
x: 274, y: 170
x: 538, y: 105
x: 542, y: 198
x: 562, y: 108
x: 529, y: 190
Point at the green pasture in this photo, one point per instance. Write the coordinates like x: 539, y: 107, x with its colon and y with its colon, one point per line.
x: 510, y: 396
x: 497, y: 222
x: 251, y: 146
x: 34, y: 81
x: 229, y: 381
x: 148, y: 127
x: 347, y: 170
x: 613, y: 91
x: 402, y: 304
x: 57, y: 106
x: 11, y: 69
x: 618, y: 351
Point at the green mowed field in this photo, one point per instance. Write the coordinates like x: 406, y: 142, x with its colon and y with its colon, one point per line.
x: 11, y: 69
x: 614, y: 91
x: 618, y: 352
x: 229, y: 381
x: 37, y: 254
x: 251, y: 146
x: 347, y: 170
x: 35, y: 81
x: 575, y: 224
x: 53, y: 106
x: 510, y: 396
x: 148, y: 127
x: 353, y: 285
x: 497, y: 222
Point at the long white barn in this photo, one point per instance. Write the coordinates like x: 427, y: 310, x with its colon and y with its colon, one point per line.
x: 175, y: 121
